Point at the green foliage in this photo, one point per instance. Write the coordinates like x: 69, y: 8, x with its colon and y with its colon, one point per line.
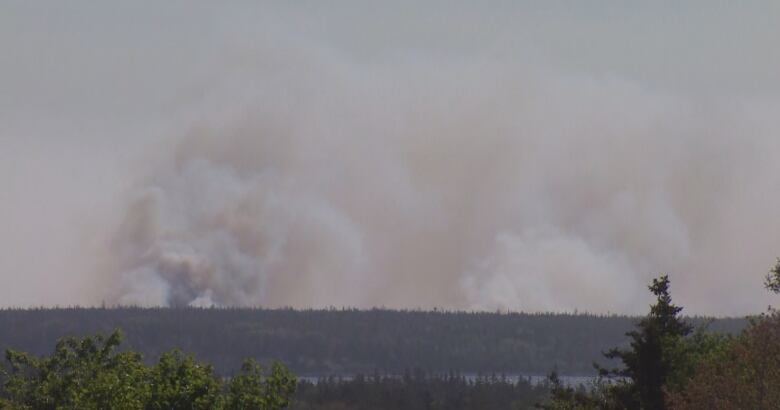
x: 90, y: 373
x: 654, y: 353
x: 416, y: 390
x: 80, y: 374
x: 252, y: 390
x: 660, y: 356
x: 666, y: 367
x: 772, y: 281
x: 689, y: 353
x: 743, y: 374
x: 180, y: 382
x: 601, y: 395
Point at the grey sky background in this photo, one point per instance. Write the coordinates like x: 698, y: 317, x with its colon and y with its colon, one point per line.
x: 536, y: 148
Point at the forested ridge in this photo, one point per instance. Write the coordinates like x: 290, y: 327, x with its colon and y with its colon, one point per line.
x: 667, y: 361
x: 344, y: 341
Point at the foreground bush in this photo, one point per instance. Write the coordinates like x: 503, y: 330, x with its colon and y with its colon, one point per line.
x: 745, y: 376
x: 90, y: 373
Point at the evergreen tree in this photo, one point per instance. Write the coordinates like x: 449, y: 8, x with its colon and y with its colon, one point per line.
x: 772, y: 281
x: 658, y: 353
x: 650, y: 360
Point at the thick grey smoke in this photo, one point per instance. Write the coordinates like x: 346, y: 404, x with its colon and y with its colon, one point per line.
x: 550, y: 157
x: 437, y: 182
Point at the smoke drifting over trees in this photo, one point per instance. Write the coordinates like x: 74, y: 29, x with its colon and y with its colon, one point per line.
x: 309, y: 170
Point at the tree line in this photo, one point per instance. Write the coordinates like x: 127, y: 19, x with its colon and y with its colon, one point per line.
x: 344, y: 341
x: 417, y: 390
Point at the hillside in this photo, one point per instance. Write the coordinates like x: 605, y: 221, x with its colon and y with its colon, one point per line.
x: 316, y: 342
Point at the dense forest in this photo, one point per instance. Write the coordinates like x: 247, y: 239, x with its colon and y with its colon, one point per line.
x: 419, y: 391
x: 345, y: 342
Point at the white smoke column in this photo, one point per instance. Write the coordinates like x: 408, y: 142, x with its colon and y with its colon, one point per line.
x: 315, y: 180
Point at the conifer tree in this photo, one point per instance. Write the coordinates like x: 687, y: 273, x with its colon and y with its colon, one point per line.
x: 650, y: 360
x: 772, y: 281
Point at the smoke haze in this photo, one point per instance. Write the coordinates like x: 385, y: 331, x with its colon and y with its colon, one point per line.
x: 510, y: 157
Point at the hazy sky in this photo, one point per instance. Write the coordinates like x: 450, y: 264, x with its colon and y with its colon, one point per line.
x: 492, y: 155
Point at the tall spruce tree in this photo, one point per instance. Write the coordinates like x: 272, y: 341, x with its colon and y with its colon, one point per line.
x: 651, y: 358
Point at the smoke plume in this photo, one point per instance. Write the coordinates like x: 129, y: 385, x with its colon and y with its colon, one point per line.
x: 446, y: 154
x: 481, y: 185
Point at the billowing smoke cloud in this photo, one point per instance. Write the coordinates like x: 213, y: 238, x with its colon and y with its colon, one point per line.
x: 549, y: 156
x: 437, y: 182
